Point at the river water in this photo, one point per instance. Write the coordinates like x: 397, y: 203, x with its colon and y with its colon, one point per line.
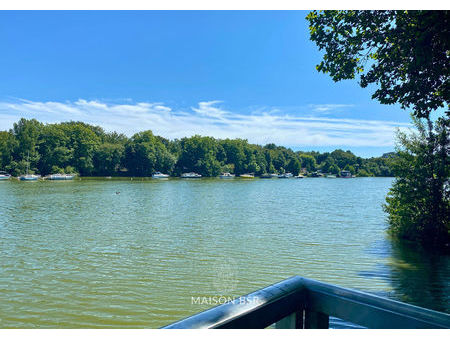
x: 138, y: 253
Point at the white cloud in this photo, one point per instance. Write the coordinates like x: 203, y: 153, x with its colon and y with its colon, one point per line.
x: 328, y: 108
x: 260, y: 126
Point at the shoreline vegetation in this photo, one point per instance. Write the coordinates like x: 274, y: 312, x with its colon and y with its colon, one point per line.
x: 404, y: 54
x: 87, y: 150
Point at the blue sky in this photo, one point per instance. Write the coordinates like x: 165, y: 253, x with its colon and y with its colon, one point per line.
x: 225, y: 74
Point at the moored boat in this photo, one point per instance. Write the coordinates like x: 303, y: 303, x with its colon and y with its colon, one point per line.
x: 60, y: 177
x: 159, y: 174
x: 299, y: 176
x: 29, y: 177
x: 227, y: 175
x: 247, y: 176
x: 266, y: 176
x: 285, y: 175
x: 190, y: 175
x: 4, y: 176
x: 345, y: 174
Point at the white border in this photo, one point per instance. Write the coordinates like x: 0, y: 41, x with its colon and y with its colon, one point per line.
x: 222, y: 333
x: 210, y: 5
x: 215, y: 5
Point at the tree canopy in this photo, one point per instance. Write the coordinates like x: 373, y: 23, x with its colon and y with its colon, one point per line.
x: 90, y: 151
x: 418, y: 204
x: 406, y: 54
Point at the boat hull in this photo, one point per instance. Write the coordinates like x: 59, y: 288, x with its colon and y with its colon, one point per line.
x: 191, y: 175
x: 60, y: 178
x: 28, y: 179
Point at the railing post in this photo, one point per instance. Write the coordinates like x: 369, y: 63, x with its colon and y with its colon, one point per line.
x: 316, y: 320
x: 293, y: 321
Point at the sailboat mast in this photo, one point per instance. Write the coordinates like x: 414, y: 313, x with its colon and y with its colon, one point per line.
x: 28, y: 162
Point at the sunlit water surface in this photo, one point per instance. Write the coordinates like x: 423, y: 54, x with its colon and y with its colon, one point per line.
x: 133, y: 254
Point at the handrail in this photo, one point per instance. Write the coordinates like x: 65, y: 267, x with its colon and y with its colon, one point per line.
x: 299, y: 302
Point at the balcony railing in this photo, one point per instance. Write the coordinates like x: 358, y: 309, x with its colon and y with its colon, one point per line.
x: 302, y: 303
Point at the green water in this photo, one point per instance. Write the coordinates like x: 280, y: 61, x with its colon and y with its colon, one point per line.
x: 78, y: 254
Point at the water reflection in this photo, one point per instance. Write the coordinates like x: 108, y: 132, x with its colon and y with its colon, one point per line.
x: 420, y: 278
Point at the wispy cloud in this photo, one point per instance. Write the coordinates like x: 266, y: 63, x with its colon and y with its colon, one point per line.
x: 328, y: 108
x: 209, y: 118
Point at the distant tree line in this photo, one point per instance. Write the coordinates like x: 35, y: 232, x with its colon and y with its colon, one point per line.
x: 77, y: 147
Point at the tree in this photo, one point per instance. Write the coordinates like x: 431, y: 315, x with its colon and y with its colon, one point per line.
x: 418, y: 204
x: 141, y: 154
x: 407, y: 57
x: 7, y: 143
x: 83, y: 141
x: 294, y: 166
x: 26, y: 148
x: 308, y: 162
x: 404, y: 53
x: 77, y: 147
x: 53, y: 148
x: 199, y: 155
x: 234, y: 150
x: 107, y: 158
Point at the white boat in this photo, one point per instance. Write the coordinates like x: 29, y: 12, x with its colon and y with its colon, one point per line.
x: 190, y: 175
x: 273, y: 175
x: 159, y: 174
x: 285, y: 175
x: 299, y: 176
x: 247, y: 176
x: 227, y: 175
x: 29, y: 177
x: 330, y: 176
x: 60, y: 177
x: 4, y: 176
x: 345, y: 174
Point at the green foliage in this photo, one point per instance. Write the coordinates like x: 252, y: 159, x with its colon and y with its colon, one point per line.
x: 404, y: 53
x: 107, y: 158
x: 76, y: 147
x: 308, y: 162
x: 198, y: 154
x: 146, y: 153
x: 26, y: 135
x: 7, y: 144
x: 418, y: 204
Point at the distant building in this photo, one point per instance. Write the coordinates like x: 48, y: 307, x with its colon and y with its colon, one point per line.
x: 346, y: 174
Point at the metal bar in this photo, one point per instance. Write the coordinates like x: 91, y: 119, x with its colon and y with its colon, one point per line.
x: 316, y: 320
x: 255, y: 310
x: 293, y: 321
x: 369, y: 310
x: 282, y: 303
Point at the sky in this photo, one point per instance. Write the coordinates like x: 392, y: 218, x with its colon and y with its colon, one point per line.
x: 225, y: 74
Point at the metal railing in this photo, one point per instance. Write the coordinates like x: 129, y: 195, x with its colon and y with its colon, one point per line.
x: 302, y: 303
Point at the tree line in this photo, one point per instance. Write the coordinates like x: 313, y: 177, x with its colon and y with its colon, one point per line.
x: 77, y: 147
